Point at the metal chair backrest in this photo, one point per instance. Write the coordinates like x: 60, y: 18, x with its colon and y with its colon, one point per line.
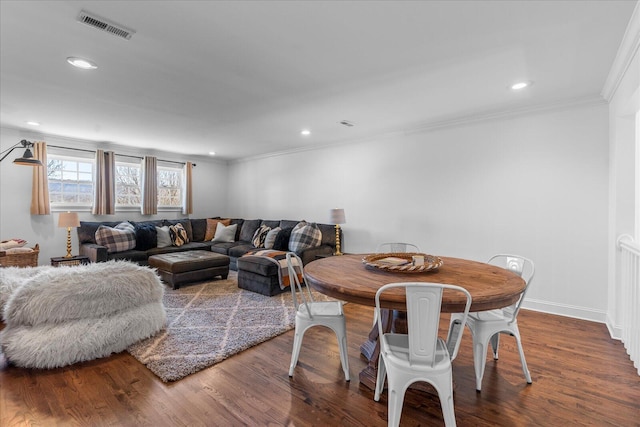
x: 424, y: 301
x: 297, y: 291
x: 397, y: 247
x: 521, y: 266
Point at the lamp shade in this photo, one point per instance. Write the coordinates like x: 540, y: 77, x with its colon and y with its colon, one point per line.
x: 337, y: 216
x: 68, y: 219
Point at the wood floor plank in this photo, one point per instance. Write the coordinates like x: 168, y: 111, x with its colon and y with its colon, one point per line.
x: 580, y: 377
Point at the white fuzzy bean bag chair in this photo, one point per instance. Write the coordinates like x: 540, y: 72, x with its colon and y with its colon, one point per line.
x: 56, y: 316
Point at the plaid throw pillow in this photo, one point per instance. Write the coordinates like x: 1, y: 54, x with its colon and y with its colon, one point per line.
x: 178, y: 235
x: 304, y: 236
x: 120, y: 238
x: 259, y: 236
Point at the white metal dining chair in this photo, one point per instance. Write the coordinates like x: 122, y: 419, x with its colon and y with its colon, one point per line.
x: 314, y: 313
x: 419, y: 355
x: 486, y: 326
x: 397, y: 247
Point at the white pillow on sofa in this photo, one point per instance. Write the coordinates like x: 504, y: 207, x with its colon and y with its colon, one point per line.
x: 225, y: 234
x: 164, y: 237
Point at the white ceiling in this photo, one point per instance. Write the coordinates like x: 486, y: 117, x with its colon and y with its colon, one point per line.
x: 243, y: 78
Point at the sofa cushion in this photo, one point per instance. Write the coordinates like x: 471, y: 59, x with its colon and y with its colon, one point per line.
x: 87, y: 230
x: 249, y: 227
x: 224, y: 233
x: 120, y: 238
x: 271, y: 223
x: 199, y: 246
x: 270, y: 239
x: 304, y: 236
x: 241, y: 249
x: 212, y: 225
x: 146, y: 235
x: 198, y: 228
x: 164, y: 237
x: 282, y: 240
x: 186, y: 224
x: 287, y: 223
x: 259, y: 236
x: 238, y: 221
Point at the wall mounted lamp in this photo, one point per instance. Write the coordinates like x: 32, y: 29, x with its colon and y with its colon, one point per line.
x: 27, y: 158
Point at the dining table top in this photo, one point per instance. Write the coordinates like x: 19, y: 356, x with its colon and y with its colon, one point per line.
x: 347, y: 278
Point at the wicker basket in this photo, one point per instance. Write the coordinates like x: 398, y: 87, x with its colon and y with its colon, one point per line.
x: 24, y: 259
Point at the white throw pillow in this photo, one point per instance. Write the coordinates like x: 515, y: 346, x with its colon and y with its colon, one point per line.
x: 270, y: 240
x: 164, y: 238
x: 225, y: 234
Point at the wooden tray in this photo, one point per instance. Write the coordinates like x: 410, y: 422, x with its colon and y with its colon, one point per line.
x: 431, y: 262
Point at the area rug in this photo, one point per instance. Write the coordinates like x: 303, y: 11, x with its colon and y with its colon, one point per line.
x: 210, y: 321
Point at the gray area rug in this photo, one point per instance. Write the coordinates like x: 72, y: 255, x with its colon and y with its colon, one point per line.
x: 209, y: 321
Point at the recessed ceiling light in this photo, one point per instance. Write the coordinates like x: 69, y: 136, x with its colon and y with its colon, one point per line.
x: 520, y: 85
x: 32, y: 123
x: 212, y: 153
x: 85, y: 64
x: 305, y: 132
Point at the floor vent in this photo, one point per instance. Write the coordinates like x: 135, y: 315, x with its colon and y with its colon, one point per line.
x: 105, y: 25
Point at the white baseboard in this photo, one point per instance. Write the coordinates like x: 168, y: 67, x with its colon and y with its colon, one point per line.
x: 566, y: 310
x: 614, y: 331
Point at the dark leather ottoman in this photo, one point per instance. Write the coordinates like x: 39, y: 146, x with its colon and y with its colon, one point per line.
x: 259, y: 274
x: 184, y: 267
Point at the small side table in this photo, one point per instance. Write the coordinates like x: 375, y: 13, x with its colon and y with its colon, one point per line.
x: 74, y: 260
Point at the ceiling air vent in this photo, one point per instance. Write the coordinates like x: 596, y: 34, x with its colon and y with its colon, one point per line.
x: 104, y: 25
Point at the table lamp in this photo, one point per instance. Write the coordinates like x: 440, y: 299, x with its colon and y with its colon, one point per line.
x: 337, y: 218
x: 68, y: 219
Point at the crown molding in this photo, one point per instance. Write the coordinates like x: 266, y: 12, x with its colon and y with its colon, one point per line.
x: 626, y: 52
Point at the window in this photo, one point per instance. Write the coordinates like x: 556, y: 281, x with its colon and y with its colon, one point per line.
x: 169, y: 187
x: 70, y: 181
x: 128, y: 185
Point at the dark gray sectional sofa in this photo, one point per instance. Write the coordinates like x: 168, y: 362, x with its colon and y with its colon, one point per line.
x: 196, y: 229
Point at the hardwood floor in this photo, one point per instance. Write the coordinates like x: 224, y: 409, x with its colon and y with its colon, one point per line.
x: 580, y: 377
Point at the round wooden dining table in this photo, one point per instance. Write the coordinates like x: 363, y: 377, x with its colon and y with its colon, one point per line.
x: 347, y: 278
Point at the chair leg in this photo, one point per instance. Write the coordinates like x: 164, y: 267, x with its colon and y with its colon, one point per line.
x: 495, y: 342
x: 525, y: 369
x: 396, y: 400
x: 479, y: 360
x: 295, y: 353
x: 344, y: 355
x: 382, y: 375
x: 444, y: 386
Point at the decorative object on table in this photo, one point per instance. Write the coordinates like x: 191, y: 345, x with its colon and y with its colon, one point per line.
x: 486, y: 326
x: 211, y: 321
x: 27, y: 158
x: 20, y: 256
x: 402, y: 262
x: 58, y: 316
x: 74, y: 260
x: 337, y: 218
x: 68, y: 220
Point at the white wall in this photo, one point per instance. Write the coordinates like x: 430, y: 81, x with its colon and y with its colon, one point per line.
x: 536, y: 185
x: 209, y: 195
x: 624, y: 137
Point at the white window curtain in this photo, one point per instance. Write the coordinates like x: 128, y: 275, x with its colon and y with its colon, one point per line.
x: 187, y: 195
x: 149, y: 186
x: 104, y: 202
